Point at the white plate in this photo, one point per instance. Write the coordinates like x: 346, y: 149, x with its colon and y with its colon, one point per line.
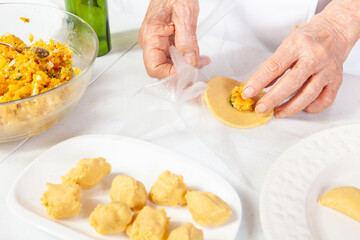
x: 139, y: 159
x: 288, y: 201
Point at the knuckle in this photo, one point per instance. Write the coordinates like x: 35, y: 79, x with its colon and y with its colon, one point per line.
x: 151, y: 69
x: 151, y: 72
x: 327, y: 101
x: 297, y: 30
x: 185, y: 19
x: 185, y: 9
x: 332, y: 66
x: 334, y: 78
x: 309, y: 95
x: 310, y: 62
x: 304, y: 34
x: 312, y: 109
x: 339, y: 79
x: 321, y: 52
x: 302, y: 38
x: 273, y: 66
x: 316, y: 58
x: 195, y: 7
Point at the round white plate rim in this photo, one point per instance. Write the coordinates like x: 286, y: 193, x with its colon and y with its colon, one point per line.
x: 24, y: 214
x: 279, y: 161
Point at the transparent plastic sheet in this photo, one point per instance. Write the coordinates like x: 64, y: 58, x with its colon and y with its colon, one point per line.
x: 183, y: 93
x: 231, y: 145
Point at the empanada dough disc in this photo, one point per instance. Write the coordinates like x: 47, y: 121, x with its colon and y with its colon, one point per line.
x: 217, y: 98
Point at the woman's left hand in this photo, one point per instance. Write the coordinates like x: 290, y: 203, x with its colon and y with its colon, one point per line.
x: 308, y: 63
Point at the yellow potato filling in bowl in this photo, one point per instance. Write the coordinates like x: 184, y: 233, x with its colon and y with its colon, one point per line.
x: 24, y: 74
x: 36, y: 93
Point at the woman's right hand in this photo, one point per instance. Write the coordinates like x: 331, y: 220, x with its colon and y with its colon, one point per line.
x: 170, y: 22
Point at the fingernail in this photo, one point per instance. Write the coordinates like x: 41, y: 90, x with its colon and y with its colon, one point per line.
x: 248, y: 92
x: 280, y: 115
x: 190, y: 58
x: 260, y: 108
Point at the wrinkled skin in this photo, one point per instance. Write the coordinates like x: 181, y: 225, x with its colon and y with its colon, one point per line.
x: 170, y: 22
x: 310, y: 61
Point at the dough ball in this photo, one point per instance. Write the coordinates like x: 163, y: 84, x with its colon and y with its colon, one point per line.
x: 88, y: 172
x: 186, y: 232
x: 110, y: 218
x: 169, y: 189
x: 207, y: 208
x: 62, y: 200
x: 218, y: 99
x: 149, y: 224
x: 343, y: 199
x: 127, y: 190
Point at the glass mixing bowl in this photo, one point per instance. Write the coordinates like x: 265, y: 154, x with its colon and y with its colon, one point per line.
x: 30, y: 116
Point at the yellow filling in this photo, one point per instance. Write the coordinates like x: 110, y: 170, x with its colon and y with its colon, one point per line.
x: 23, y: 74
x: 31, y: 37
x: 238, y: 102
x: 26, y: 20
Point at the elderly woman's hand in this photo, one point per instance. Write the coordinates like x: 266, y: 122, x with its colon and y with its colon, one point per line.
x: 311, y: 57
x: 169, y: 22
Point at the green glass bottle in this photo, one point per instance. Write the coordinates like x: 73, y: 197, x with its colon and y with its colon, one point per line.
x: 95, y: 13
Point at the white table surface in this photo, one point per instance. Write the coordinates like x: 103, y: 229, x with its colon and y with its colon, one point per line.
x: 100, y: 111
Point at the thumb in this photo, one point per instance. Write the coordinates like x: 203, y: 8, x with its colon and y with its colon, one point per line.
x: 185, y: 14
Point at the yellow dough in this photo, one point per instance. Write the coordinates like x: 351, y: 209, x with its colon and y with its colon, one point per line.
x: 110, y: 218
x: 343, y: 199
x: 62, y: 200
x: 127, y: 190
x: 169, y: 190
x: 88, y: 172
x: 186, y: 232
x: 217, y: 98
x: 207, y: 208
x: 149, y: 224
